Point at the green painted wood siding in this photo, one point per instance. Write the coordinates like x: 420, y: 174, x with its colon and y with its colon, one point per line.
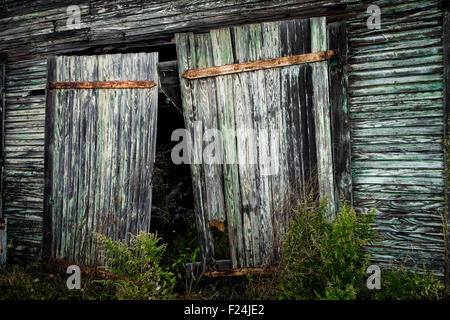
x: 396, y: 117
x: 100, y: 152
x: 292, y: 100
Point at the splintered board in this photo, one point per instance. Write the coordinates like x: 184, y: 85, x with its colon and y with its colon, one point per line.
x: 100, y: 149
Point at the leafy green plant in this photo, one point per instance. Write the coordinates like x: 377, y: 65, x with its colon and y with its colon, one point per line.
x: 344, y: 259
x: 324, y: 257
x: 336, y: 293
x: 399, y: 284
x: 137, y: 263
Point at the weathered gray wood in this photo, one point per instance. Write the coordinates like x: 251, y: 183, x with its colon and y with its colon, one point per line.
x: 186, y: 44
x: 396, y: 107
x: 92, y: 134
x: 126, y: 84
x: 271, y: 48
x: 299, y: 128
x: 223, y: 54
x: 33, y: 30
x: 340, y: 132
x: 246, y: 149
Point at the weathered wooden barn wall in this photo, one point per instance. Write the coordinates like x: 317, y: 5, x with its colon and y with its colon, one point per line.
x: 33, y: 30
x: 100, y: 150
x: 285, y: 107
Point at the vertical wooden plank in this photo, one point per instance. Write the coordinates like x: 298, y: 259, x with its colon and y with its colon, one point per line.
x: 124, y: 145
x: 205, y: 94
x: 261, y: 88
x: 66, y: 105
x: 49, y: 162
x: 58, y: 160
x: 93, y: 128
x: 152, y: 62
x: 223, y: 54
x: 147, y: 102
x: 278, y: 142
x: 300, y: 45
x: 257, y: 102
x: 200, y: 56
x: 88, y: 71
x: 105, y: 66
x: 340, y: 132
x: 322, y: 114
x: 306, y: 132
x: 297, y: 100
x: 187, y: 59
x: 135, y: 182
x: 446, y: 94
x: 247, y: 151
x: 287, y: 37
x: 75, y: 166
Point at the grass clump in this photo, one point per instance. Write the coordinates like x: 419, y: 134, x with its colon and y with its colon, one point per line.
x: 399, y: 284
x: 325, y: 257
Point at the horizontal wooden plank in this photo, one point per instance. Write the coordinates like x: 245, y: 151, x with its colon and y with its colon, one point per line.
x: 406, y: 173
x: 397, y: 196
x: 102, y: 85
x: 419, y: 97
x: 396, y: 148
x: 258, y: 65
x: 376, y: 188
x: 398, y: 131
x: 399, y: 181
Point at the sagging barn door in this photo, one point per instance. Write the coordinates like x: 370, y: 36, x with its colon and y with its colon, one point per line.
x: 100, y: 148
x: 285, y: 108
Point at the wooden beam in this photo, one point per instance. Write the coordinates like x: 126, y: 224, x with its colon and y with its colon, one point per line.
x: 259, y: 65
x: 102, y: 85
x: 223, y: 268
x: 238, y: 272
x: 86, y: 270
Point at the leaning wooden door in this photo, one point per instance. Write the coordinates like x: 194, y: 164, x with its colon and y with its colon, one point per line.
x: 286, y: 108
x: 100, y: 147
